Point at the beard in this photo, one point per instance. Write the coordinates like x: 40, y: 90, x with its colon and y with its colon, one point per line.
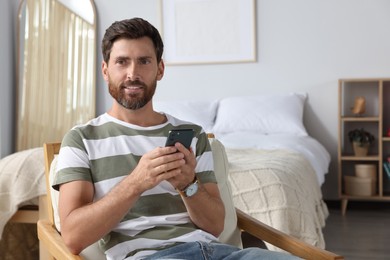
x: 132, y: 101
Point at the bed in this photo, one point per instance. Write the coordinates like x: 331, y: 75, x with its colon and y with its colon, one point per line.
x: 276, y: 168
x: 22, y: 181
x: 280, y: 187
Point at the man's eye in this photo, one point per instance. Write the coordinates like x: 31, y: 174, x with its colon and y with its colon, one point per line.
x: 144, y: 61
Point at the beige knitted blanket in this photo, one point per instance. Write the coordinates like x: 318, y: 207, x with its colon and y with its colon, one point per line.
x: 279, y: 188
x: 21, y: 179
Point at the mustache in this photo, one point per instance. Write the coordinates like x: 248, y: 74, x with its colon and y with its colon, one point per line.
x: 133, y: 83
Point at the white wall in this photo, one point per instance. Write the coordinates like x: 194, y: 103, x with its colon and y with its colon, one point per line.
x: 303, y: 45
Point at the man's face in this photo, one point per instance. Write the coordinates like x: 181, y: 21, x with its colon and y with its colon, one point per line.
x: 132, y: 72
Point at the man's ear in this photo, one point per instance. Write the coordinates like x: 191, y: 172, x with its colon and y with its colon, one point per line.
x: 160, y: 70
x: 104, y: 70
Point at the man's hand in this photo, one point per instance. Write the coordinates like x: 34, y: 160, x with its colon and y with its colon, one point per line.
x: 162, y: 163
x: 187, y: 170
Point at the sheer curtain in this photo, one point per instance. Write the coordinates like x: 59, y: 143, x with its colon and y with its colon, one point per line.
x: 57, y: 73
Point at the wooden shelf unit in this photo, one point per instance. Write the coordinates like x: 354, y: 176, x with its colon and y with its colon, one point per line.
x: 375, y: 120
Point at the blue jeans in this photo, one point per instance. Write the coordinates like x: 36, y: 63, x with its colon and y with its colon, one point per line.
x: 216, y: 251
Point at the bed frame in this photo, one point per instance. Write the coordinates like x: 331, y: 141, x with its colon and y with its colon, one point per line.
x: 26, y: 214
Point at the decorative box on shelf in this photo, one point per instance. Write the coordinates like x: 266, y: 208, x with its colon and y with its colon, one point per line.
x: 357, y: 186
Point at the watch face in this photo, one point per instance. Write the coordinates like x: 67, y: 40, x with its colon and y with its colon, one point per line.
x: 192, y: 189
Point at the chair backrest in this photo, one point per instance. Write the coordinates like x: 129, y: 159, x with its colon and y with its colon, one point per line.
x: 50, y: 150
x: 230, y: 235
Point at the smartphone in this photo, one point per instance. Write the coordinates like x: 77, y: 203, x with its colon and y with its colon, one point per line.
x: 183, y: 136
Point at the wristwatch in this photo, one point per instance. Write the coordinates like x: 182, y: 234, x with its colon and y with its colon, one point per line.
x: 191, y: 189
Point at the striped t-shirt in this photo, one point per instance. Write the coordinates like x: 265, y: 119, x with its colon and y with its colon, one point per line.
x: 104, y: 151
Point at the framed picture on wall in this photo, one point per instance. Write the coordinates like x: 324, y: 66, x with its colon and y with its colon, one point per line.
x: 208, y: 31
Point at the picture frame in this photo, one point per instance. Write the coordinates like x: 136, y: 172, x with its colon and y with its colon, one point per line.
x: 208, y: 31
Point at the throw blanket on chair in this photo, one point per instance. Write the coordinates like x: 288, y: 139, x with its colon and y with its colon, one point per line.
x: 279, y: 188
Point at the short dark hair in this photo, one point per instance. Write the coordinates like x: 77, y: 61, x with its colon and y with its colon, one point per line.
x: 134, y: 28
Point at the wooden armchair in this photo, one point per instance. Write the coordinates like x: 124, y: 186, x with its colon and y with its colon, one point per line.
x: 236, y: 220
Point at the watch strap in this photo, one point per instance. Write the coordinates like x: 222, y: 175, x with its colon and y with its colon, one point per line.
x: 183, y: 192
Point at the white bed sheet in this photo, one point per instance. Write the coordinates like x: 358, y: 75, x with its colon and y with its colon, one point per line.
x: 309, y: 147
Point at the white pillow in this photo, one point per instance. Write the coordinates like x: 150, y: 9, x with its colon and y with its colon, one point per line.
x: 198, y: 112
x: 268, y: 114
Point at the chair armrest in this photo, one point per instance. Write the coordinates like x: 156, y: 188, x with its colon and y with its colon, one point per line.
x: 53, y: 242
x: 280, y: 239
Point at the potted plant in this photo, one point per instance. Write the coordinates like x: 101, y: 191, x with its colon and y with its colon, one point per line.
x: 361, y: 141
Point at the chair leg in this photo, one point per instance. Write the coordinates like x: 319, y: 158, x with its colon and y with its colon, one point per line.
x: 43, y: 253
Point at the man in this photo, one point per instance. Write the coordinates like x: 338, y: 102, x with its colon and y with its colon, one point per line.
x: 120, y: 185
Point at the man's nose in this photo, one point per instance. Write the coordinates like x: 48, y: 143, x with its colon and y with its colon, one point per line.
x: 133, y: 71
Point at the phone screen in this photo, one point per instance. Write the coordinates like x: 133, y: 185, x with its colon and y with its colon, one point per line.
x: 183, y: 136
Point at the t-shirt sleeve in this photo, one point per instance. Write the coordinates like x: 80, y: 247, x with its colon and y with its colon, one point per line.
x: 73, y: 162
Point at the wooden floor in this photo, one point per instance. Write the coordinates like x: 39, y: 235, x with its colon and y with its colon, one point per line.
x: 363, y: 233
